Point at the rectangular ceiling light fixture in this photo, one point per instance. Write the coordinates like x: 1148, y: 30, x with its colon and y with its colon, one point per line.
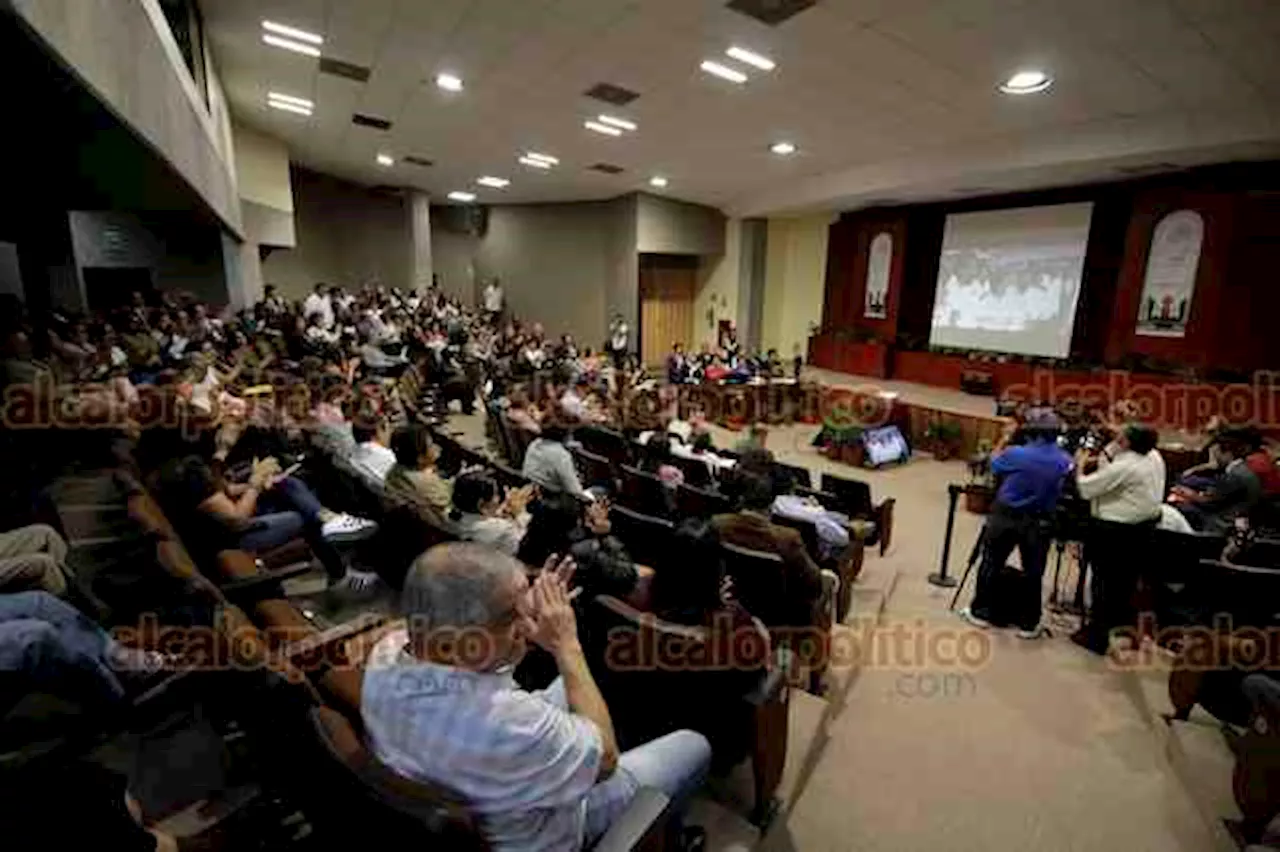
x: 291, y: 38
x: 465, y: 197
x: 546, y: 158
x: 537, y: 164
x: 602, y: 128
x: 614, y: 121
x: 724, y: 72
x: 289, y: 103
x: 741, y: 54
x: 495, y: 182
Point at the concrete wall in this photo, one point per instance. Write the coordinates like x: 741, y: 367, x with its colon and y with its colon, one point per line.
x: 665, y: 226
x: 265, y: 186
x: 125, y: 54
x: 794, y: 277
x: 346, y: 235
x: 719, y: 279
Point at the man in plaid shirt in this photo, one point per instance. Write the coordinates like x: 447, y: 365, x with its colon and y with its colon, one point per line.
x: 540, y: 769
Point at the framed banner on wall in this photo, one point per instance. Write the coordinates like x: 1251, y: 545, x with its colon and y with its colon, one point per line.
x: 1170, y: 281
x: 879, y: 258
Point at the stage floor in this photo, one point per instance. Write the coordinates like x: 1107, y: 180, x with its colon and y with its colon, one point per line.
x: 926, y: 396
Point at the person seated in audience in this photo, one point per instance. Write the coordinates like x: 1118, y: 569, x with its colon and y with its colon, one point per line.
x: 573, y: 402
x: 55, y: 648
x: 319, y: 338
x: 481, y: 514
x: 548, y: 464
x: 567, y: 350
x: 703, y: 449
x: 584, y: 532
x: 482, y: 732
x: 331, y: 429
x: 414, y: 480
x: 811, y: 589
x: 266, y: 512
x: 377, y: 362
x: 716, y: 370
x: 142, y: 350
x: 656, y: 459
x: 520, y: 414
x: 677, y: 366
x: 373, y: 459
x: 756, y: 438
x: 33, y: 557
x: 1236, y: 491
x: 319, y: 304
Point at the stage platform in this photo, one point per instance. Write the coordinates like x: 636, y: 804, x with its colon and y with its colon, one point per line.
x: 938, y: 399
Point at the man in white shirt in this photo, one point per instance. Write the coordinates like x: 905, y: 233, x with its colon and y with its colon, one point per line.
x: 1125, y: 492
x: 319, y: 304
x: 372, y: 458
x: 493, y: 299
x: 541, y: 770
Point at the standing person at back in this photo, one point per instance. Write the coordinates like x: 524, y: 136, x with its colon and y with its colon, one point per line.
x: 493, y: 301
x: 619, y: 341
x: 1031, y: 477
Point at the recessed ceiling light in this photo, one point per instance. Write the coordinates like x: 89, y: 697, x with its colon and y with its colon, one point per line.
x: 741, y: 54
x: 292, y: 32
x: 658, y: 181
x: 783, y: 149
x: 495, y: 182
x: 295, y: 46
x: 724, y: 71
x: 386, y: 160
x: 537, y: 164
x: 546, y: 158
x: 1026, y: 83
x: 449, y: 82
x: 462, y: 196
x: 614, y: 121
x: 602, y: 128
x: 281, y: 105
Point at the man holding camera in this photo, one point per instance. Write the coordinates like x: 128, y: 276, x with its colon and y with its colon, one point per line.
x: 1125, y: 486
x: 1031, y: 469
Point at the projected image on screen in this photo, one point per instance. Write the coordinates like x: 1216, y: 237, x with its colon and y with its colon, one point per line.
x: 1008, y: 280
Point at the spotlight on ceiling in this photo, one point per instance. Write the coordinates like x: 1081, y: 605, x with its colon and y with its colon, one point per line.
x: 449, y: 82
x: 783, y: 149
x: 1026, y: 83
x: 465, y: 197
x: 386, y: 160
x: 658, y: 181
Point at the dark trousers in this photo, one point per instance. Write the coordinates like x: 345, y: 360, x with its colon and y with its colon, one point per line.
x: 1030, y: 534
x: 1115, y: 553
x: 285, y: 512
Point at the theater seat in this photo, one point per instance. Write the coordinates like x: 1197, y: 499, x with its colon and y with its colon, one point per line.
x: 649, y: 540
x: 742, y: 708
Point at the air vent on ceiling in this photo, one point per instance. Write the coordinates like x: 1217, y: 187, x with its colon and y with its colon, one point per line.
x: 419, y: 161
x: 371, y: 121
x: 606, y: 168
x: 338, y: 68
x: 611, y: 94
x: 771, y: 12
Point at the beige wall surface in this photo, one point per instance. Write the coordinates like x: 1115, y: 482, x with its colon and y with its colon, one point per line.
x: 794, y: 277
x: 262, y: 168
x: 666, y: 226
x: 346, y: 235
x: 719, y: 279
x: 125, y: 54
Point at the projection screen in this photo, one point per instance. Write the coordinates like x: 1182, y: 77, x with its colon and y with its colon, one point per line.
x: 1008, y: 280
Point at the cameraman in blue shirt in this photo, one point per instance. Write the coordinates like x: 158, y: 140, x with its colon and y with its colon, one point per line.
x: 1031, y: 475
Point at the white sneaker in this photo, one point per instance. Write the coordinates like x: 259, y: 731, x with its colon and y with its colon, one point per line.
x: 1034, y: 633
x: 346, y: 526
x: 967, y: 615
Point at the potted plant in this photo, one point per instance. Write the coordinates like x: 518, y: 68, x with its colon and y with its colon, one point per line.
x: 841, y: 443
x: 980, y: 490
x: 942, y: 438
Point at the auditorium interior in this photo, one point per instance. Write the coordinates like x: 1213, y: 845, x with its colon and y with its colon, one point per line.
x: 839, y: 424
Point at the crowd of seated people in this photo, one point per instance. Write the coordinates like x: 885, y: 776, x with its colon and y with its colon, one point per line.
x: 726, y: 364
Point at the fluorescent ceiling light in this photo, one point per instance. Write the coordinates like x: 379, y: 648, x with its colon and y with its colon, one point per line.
x: 783, y: 148
x: 295, y: 46
x: 602, y: 128
x: 290, y: 99
x: 724, y: 71
x: 1026, y: 83
x: 495, y: 182
x: 546, y: 158
x: 741, y: 54
x: 292, y: 32
x: 288, y: 107
x: 449, y: 82
x: 658, y: 181
x: 462, y: 196
x: 617, y: 122
x: 386, y: 160
x: 537, y: 164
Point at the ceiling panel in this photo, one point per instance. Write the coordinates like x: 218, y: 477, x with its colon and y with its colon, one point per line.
x: 858, y: 82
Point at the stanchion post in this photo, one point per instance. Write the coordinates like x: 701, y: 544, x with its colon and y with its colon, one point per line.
x: 941, y: 577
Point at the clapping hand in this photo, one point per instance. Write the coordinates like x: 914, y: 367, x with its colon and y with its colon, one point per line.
x: 553, y: 626
x: 517, y: 500
x: 264, y: 470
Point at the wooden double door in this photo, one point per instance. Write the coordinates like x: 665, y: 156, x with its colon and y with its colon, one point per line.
x: 668, y: 288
